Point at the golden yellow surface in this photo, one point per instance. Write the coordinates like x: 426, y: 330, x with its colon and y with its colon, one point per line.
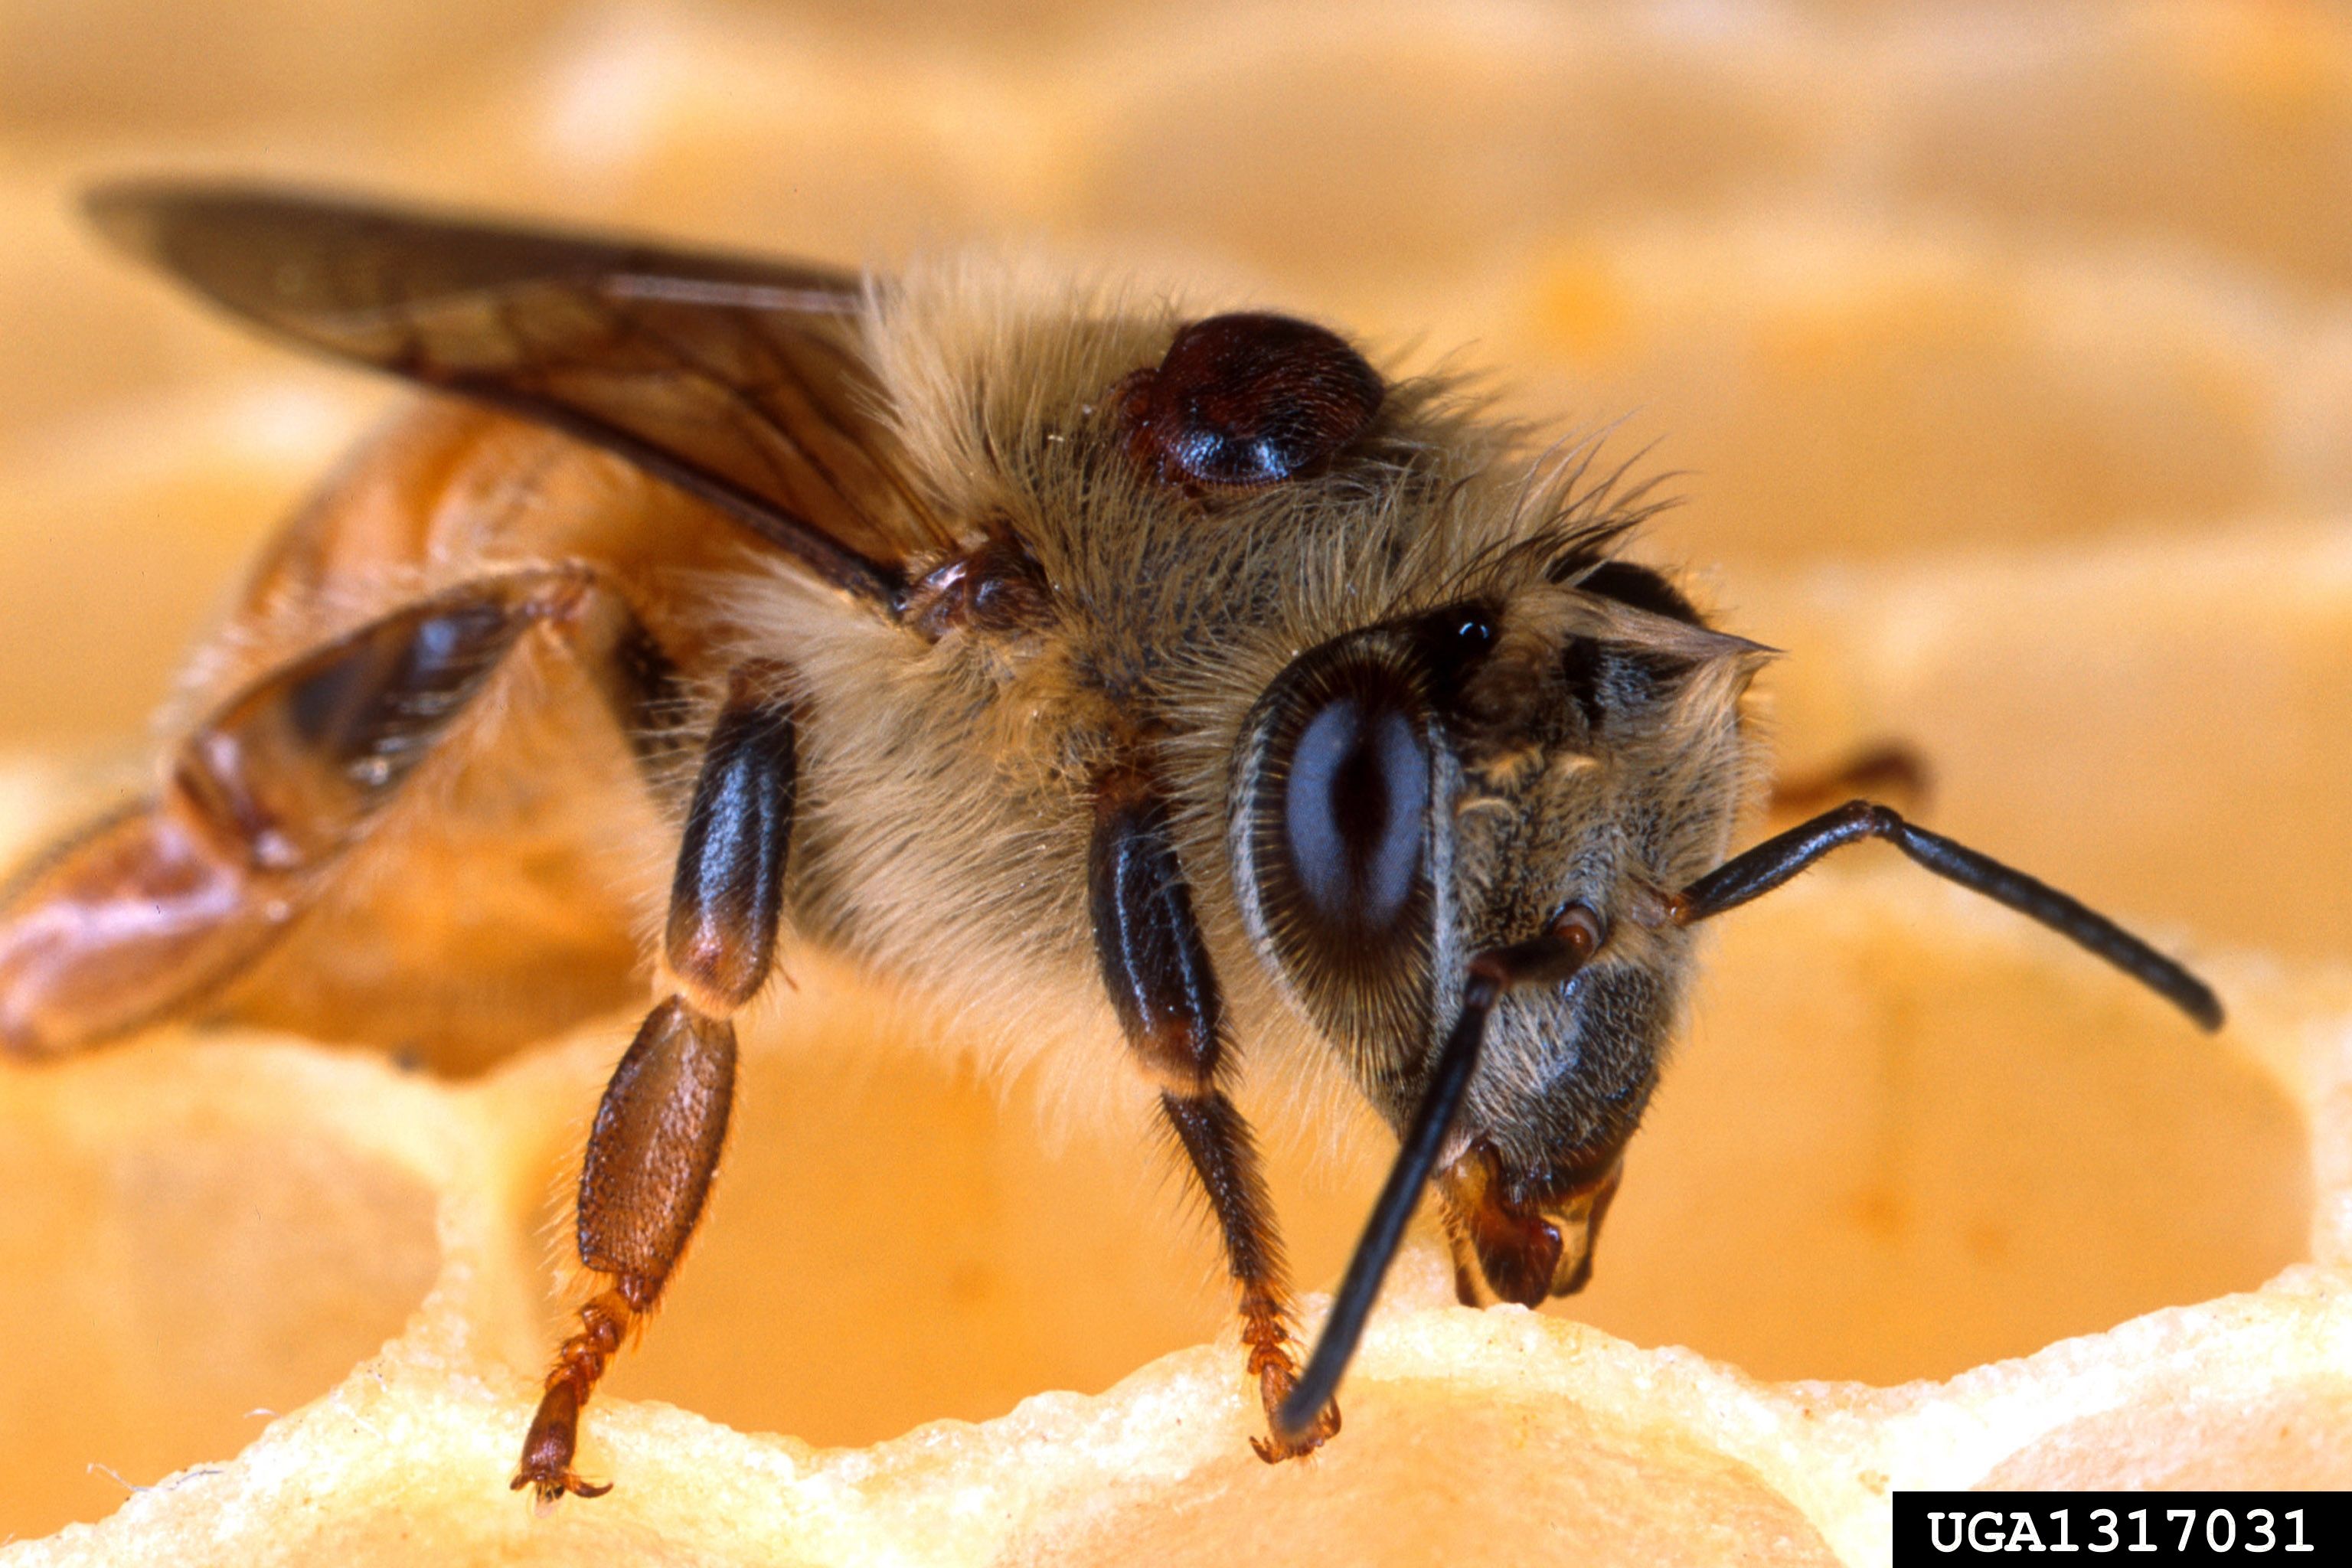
x: 2008, y: 353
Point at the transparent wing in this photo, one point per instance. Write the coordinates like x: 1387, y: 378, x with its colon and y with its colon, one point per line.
x: 736, y: 379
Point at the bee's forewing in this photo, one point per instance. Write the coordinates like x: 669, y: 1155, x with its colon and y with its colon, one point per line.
x: 739, y: 380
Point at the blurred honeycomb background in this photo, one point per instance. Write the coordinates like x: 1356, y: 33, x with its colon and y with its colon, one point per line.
x: 2005, y: 355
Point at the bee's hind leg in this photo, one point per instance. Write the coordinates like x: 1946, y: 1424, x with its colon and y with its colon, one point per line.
x: 148, y: 913
x: 657, y: 1139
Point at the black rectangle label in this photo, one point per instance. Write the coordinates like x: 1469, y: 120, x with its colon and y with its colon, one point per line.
x: 2142, y: 1528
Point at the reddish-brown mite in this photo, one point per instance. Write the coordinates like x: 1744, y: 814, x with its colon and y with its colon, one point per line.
x: 1248, y: 399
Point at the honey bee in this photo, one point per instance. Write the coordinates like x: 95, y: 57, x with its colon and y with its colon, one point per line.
x: 1188, y: 678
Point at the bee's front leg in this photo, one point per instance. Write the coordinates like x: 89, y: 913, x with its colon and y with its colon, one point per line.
x: 1157, y: 972
x: 663, y: 1119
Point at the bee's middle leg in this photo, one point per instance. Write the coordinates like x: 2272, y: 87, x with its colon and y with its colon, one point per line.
x: 663, y: 1120
x: 1157, y: 969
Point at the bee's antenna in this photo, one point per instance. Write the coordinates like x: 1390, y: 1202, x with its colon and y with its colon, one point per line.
x: 1549, y: 958
x: 1774, y: 861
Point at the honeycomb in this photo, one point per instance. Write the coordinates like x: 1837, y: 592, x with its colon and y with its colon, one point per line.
x: 2008, y: 355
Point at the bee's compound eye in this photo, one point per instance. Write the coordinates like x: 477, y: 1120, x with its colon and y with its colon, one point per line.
x: 1354, y: 804
x: 1249, y: 399
x: 1339, y: 787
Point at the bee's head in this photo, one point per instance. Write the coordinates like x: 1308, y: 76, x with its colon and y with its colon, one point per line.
x: 1415, y: 794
